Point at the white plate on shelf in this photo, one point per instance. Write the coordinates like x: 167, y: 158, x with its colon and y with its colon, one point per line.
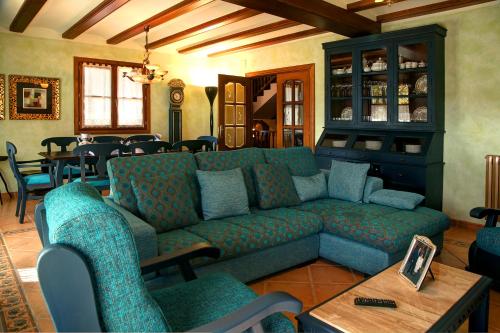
x: 339, y: 143
x: 421, y: 85
x: 413, y: 149
x: 373, y: 144
x: 420, y: 114
x: 346, y: 113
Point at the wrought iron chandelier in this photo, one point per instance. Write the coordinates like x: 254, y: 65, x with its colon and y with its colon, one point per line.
x: 149, y: 73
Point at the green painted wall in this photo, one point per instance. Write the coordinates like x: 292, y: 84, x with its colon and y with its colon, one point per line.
x: 472, y: 97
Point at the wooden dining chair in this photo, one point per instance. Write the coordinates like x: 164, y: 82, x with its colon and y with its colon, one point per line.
x: 63, y: 144
x: 194, y: 146
x: 211, y: 139
x: 29, y: 186
x: 107, y: 139
x: 149, y: 147
x: 97, y: 154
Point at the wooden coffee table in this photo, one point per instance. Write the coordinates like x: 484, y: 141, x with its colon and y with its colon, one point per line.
x: 440, y: 305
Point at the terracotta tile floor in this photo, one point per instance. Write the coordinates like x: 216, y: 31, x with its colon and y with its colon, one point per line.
x: 312, y: 283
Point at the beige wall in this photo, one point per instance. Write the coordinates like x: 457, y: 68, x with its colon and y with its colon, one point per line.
x: 472, y: 93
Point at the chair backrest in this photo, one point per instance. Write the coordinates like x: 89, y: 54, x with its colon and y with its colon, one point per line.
x: 140, y: 138
x: 63, y: 142
x: 209, y: 138
x: 194, y: 146
x: 78, y: 219
x: 101, y: 152
x: 149, y: 147
x: 107, y: 139
x: 11, y: 154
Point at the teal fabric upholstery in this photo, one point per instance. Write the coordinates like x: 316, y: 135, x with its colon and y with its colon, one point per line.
x: 347, y: 180
x: 122, y: 170
x: 144, y: 234
x: 311, y: 188
x: 164, y: 202
x: 94, y: 181
x: 275, y: 186
x: 372, y: 184
x: 488, y: 239
x: 396, y: 199
x: 37, y: 179
x: 299, y: 160
x: 74, y: 212
x: 223, y: 193
x: 227, y: 160
x: 202, y: 301
x: 174, y: 240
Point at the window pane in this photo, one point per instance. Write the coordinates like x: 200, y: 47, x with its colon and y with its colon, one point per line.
x: 130, y: 102
x: 97, y: 96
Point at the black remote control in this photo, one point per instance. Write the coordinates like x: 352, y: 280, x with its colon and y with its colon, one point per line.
x: 386, y: 303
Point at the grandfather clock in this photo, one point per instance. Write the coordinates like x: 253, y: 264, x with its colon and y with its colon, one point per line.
x: 175, y: 111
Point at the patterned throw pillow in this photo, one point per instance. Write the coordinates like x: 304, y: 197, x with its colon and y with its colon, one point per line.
x: 347, y: 180
x: 311, y: 188
x: 223, y: 193
x: 275, y: 186
x: 165, y: 203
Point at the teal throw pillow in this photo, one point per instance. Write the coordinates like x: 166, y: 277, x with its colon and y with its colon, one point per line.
x: 223, y: 193
x: 310, y: 188
x: 275, y: 186
x: 396, y: 199
x: 165, y: 203
x: 347, y: 180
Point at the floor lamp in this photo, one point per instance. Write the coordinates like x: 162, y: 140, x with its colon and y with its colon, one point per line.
x: 211, y: 93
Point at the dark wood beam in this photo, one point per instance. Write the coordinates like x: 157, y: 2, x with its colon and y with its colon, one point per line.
x: 204, y: 27
x: 317, y: 13
x: 240, y: 35
x: 360, y: 5
x: 168, y: 14
x: 26, y: 14
x: 428, y: 9
x: 269, y: 42
x: 94, y: 16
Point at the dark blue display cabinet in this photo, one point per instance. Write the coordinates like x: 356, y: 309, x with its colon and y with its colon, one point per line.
x: 385, y: 105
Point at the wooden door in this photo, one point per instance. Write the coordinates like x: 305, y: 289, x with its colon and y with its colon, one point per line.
x: 235, y: 112
x: 294, y: 118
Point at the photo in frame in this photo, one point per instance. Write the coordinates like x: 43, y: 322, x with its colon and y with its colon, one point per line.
x: 2, y: 96
x: 34, y: 98
x: 417, y: 260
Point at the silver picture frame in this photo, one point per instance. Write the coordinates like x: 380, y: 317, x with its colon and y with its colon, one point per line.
x: 417, y: 260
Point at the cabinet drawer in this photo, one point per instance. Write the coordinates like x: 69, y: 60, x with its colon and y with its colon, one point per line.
x: 403, y: 174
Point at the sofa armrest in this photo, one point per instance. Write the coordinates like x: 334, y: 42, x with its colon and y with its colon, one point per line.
x: 252, y: 314
x: 180, y: 258
x: 491, y: 215
x: 373, y: 184
x: 144, y: 234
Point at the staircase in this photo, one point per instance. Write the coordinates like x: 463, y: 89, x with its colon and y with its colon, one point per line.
x: 264, y: 97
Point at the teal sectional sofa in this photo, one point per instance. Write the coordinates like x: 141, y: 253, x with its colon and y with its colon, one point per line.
x: 360, y: 235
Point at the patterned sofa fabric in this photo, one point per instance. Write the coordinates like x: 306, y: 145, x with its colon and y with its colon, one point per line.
x: 299, y: 160
x: 179, y: 239
x: 122, y: 170
x: 239, y: 235
x: 385, y: 228
x: 228, y: 160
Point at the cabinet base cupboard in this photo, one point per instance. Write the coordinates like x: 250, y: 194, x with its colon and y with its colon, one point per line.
x: 385, y: 106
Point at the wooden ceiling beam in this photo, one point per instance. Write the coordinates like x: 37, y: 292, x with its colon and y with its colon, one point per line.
x: 318, y: 13
x: 428, y: 9
x: 102, y: 10
x: 26, y: 14
x: 360, y: 5
x: 269, y: 42
x: 168, y: 14
x: 283, y: 24
x: 204, y: 27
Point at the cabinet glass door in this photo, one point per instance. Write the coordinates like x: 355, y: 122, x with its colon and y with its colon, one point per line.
x: 341, y: 87
x: 374, y: 85
x: 412, y: 83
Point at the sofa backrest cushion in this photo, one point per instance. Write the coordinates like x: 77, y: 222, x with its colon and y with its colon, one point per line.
x: 299, y: 160
x: 164, y: 202
x: 232, y: 159
x: 122, y: 170
x: 78, y: 218
x: 275, y: 186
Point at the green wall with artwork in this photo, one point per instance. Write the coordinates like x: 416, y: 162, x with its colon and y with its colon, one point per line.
x: 472, y: 98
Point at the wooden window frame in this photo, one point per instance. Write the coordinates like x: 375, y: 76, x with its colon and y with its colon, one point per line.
x: 78, y: 99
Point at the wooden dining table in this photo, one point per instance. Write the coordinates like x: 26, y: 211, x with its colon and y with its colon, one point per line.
x: 59, y: 158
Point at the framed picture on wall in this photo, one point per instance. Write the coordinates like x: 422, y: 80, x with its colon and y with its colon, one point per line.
x: 2, y: 96
x: 34, y: 98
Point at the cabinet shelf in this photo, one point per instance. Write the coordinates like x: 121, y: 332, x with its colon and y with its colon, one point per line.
x: 341, y: 75
x: 413, y: 70
x: 347, y: 98
x: 373, y: 73
x: 413, y: 96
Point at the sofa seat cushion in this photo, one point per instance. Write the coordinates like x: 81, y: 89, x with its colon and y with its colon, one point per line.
x: 179, y: 239
x: 299, y: 160
x: 228, y: 160
x: 239, y: 235
x: 195, y: 303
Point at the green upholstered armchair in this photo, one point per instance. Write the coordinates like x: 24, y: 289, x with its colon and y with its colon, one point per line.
x: 91, y: 278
